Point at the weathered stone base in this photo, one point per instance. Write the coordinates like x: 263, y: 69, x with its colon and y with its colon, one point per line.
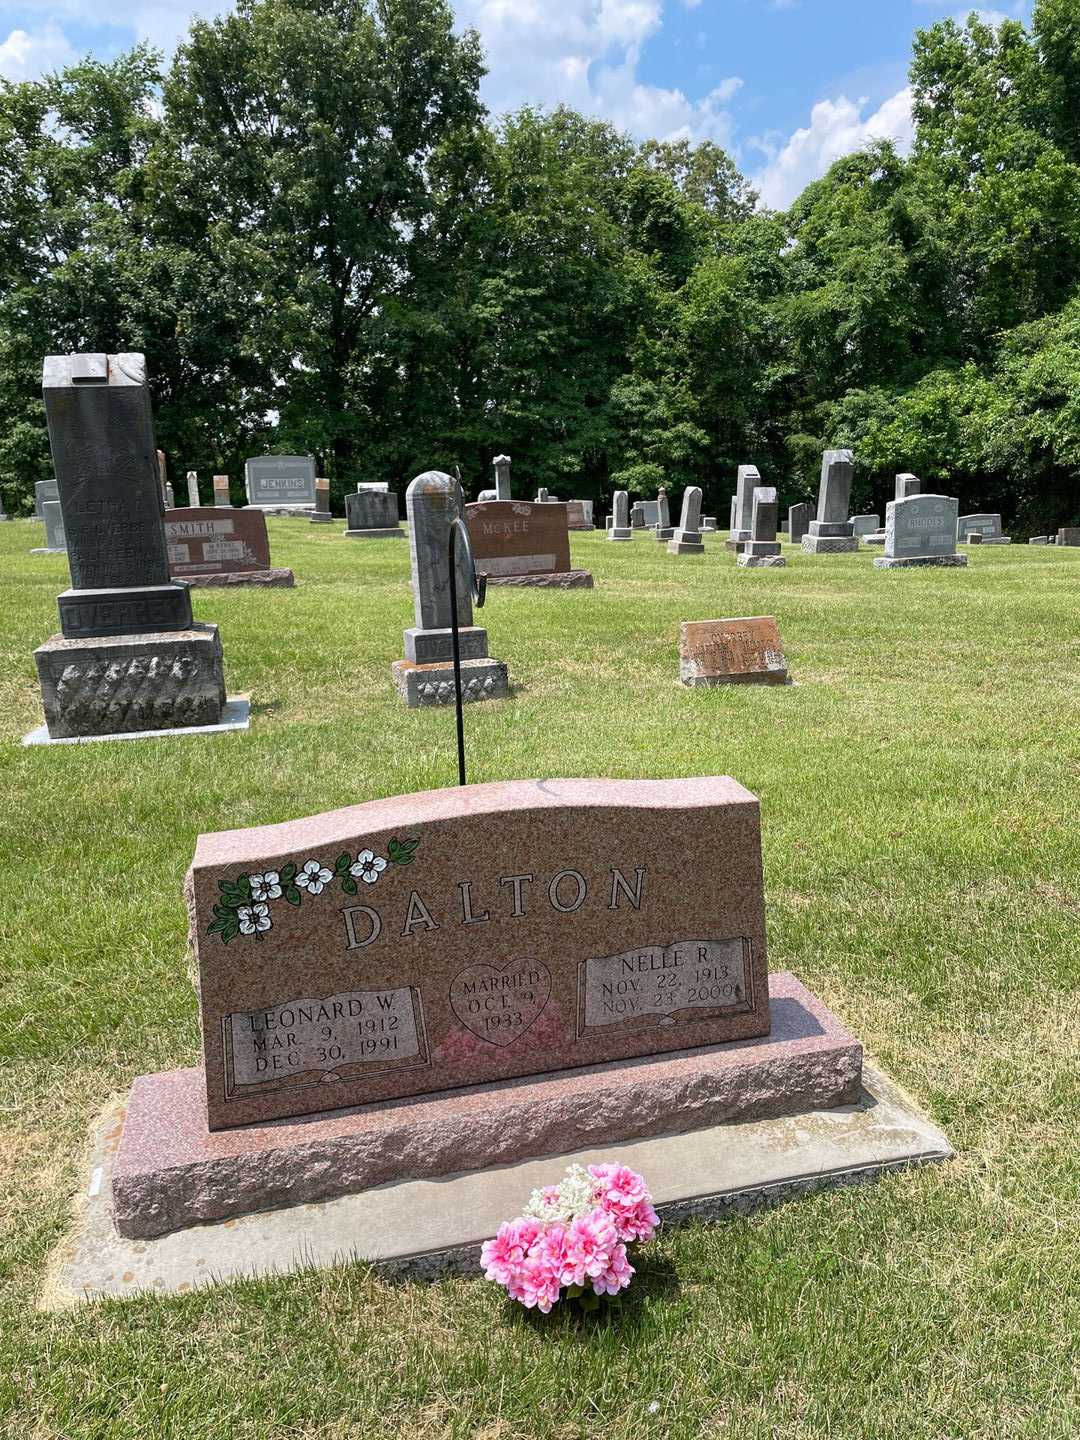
x: 686, y: 547
x: 49, y: 550
x: 874, y: 538
x: 394, y: 532
x: 988, y: 540
x: 756, y: 561
x: 272, y: 577
x: 170, y: 1171
x: 116, y: 683
x: 621, y: 532
x: 559, y: 580
x: 829, y: 544
x: 734, y: 545
x: 295, y: 512
x: 911, y: 562
x: 420, y: 685
x: 752, y: 677
x: 664, y: 533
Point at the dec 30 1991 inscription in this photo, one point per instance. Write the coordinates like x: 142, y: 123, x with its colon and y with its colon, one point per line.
x: 473, y: 935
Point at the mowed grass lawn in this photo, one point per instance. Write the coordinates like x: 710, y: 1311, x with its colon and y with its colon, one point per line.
x: 919, y: 787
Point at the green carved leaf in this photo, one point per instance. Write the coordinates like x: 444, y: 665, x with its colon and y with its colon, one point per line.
x: 401, y: 852
x: 292, y: 894
x: 342, y: 864
x: 348, y: 884
x: 288, y: 872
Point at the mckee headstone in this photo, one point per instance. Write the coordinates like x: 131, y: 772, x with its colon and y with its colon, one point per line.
x: 831, y: 532
x: 281, y: 484
x: 687, y: 538
x: 987, y: 527
x: 193, y: 490
x: 321, y: 514
x: 130, y: 657
x: 373, y: 515
x: 55, y: 543
x: 907, y: 485
x: 515, y: 543
x: 743, y: 651
x: 621, y: 529
x: 920, y: 531
x: 763, y: 548
x: 426, y: 676
x: 222, y: 498
x: 863, y: 525
x: 210, y: 549
x: 798, y: 521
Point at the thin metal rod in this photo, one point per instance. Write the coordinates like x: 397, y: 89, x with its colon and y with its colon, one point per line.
x: 457, y: 655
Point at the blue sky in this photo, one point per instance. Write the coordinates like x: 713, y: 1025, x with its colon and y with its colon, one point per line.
x: 786, y: 85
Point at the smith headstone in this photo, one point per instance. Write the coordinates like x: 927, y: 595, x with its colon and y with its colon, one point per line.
x: 207, y: 548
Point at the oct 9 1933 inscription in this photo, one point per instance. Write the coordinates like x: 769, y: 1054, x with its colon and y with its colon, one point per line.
x: 425, y: 942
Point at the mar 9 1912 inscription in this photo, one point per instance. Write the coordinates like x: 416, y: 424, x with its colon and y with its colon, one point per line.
x: 430, y: 941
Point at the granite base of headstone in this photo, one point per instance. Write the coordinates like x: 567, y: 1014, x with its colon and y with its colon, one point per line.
x: 373, y: 515
x: 129, y: 658
x: 741, y: 651
x: 425, y: 677
x: 55, y: 541
x: 920, y: 532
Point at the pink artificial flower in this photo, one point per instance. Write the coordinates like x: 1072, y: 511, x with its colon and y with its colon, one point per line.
x: 639, y: 1222
x: 550, y: 1194
x: 558, y: 1253
x: 618, y: 1185
x: 508, y: 1250
x: 540, y: 1284
x: 592, y: 1241
x: 617, y: 1276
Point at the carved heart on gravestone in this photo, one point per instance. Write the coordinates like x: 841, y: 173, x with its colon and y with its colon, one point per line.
x: 498, y: 1005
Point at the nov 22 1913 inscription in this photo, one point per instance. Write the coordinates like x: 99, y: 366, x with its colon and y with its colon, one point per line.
x: 425, y: 942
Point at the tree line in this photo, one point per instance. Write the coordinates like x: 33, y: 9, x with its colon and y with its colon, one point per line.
x: 324, y: 244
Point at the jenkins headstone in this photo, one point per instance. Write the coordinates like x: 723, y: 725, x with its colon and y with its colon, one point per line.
x: 280, y: 481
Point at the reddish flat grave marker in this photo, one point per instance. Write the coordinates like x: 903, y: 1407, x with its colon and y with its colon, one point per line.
x: 731, y: 652
x: 204, y: 541
x: 424, y: 942
x: 515, y: 537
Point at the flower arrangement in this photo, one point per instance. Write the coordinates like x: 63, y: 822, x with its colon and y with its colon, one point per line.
x: 571, y: 1241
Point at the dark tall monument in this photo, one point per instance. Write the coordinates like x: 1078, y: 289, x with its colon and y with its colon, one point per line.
x: 129, y: 657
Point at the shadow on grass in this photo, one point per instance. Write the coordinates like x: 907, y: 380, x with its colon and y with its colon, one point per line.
x: 656, y: 1279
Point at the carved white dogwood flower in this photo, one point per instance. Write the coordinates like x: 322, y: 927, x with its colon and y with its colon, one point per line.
x: 368, y: 867
x: 314, y: 877
x: 265, y: 887
x: 254, y: 919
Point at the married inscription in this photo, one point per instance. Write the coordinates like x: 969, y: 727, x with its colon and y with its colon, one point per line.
x: 500, y: 1004
x: 307, y: 1042
x: 663, y: 980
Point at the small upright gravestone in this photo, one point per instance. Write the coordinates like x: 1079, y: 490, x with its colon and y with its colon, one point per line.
x: 579, y: 514
x: 687, y: 538
x: 44, y: 490
x: 798, y: 521
x: 621, y: 529
x: 1068, y: 535
x: 987, y: 527
x: 637, y: 516
x: 433, y: 502
x: 222, y: 498
x: 501, y: 466
x: 907, y: 485
x: 55, y: 543
x: 863, y: 525
x: 734, y: 515
x: 831, y: 532
x: 129, y: 658
x: 920, y: 531
x: 763, y: 548
x: 664, y: 528
x: 749, y: 479
x: 170, y: 499
x: 321, y: 514
x: 193, y: 489
x: 373, y: 515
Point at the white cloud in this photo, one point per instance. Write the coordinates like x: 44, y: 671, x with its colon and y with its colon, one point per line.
x: 586, y: 54
x: 836, y: 128
x: 26, y: 55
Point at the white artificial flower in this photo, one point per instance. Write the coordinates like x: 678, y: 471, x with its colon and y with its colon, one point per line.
x: 314, y: 877
x: 265, y: 887
x: 573, y: 1196
x: 368, y: 867
x: 253, y: 919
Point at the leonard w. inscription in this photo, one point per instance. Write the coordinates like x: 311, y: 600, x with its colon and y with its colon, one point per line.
x: 430, y: 941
